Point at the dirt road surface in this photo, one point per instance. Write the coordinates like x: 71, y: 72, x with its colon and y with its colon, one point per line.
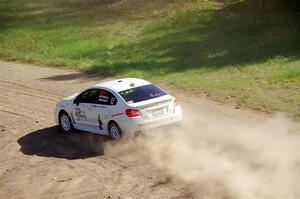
x: 219, y: 152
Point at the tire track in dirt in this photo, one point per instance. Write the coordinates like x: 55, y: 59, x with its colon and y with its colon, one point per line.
x: 36, y: 107
x: 26, y: 102
x: 27, y: 90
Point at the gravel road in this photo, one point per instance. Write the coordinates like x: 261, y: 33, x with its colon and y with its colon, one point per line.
x: 219, y: 152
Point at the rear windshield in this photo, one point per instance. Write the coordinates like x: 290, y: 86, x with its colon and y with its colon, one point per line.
x: 141, y: 93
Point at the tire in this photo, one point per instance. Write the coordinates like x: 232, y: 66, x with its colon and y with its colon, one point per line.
x: 114, y: 130
x: 65, y: 123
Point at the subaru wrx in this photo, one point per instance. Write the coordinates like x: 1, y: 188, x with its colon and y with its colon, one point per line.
x: 118, y: 108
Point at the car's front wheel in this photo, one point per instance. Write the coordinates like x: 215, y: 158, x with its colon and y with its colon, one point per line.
x: 65, y: 122
x: 114, y: 131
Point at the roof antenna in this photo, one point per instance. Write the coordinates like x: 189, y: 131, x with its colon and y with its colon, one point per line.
x: 131, y: 84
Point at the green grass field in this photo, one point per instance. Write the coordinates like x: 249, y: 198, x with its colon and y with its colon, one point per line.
x: 230, y: 51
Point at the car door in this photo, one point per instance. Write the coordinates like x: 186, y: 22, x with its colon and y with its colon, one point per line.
x: 106, y: 104
x: 79, y: 110
x: 92, y: 111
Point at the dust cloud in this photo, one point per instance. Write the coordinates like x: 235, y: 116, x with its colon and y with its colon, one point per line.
x: 221, y: 157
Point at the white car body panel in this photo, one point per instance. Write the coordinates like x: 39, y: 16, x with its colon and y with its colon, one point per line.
x: 94, y: 118
x: 122, y: 84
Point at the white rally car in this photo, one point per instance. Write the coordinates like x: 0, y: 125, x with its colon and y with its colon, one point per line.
x: 118, y: 108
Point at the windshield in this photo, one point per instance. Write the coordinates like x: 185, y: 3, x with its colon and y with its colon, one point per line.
x: 141, y: 93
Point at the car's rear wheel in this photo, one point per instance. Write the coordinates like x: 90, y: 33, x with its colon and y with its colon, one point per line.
x: 114, y: 131
x: 65, y: 122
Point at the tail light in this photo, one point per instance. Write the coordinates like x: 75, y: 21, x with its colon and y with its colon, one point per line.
x: 176, y: 102
x: 132, y: 112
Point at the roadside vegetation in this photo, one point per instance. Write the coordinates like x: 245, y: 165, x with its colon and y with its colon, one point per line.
x: 233, y: 51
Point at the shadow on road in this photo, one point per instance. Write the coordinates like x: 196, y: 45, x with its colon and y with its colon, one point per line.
x: 83, y: 76
x: 50, y: 142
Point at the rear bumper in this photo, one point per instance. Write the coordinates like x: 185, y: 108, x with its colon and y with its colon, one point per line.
x: 138, y: 124
x: 161, y: 122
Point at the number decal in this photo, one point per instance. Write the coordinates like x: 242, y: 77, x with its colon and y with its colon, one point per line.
x: 79, y: 113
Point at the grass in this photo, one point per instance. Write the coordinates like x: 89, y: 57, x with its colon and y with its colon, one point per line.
x: 229, y: 50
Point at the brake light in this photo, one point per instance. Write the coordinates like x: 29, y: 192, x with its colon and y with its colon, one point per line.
x: 132, y: 112
x: 175, y: 102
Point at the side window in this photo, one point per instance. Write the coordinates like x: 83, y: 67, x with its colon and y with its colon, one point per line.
x: 93, y: 96
x: 89, y: 96
x: 83, y: 97
x: 107, y: 98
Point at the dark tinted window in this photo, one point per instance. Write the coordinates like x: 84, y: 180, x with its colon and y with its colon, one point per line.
x: 82, y: 97
x: 141, y: 93
x: 89, y: 96
x: 97, y: 96
x: 93, y: 96
x: 107, y: 98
